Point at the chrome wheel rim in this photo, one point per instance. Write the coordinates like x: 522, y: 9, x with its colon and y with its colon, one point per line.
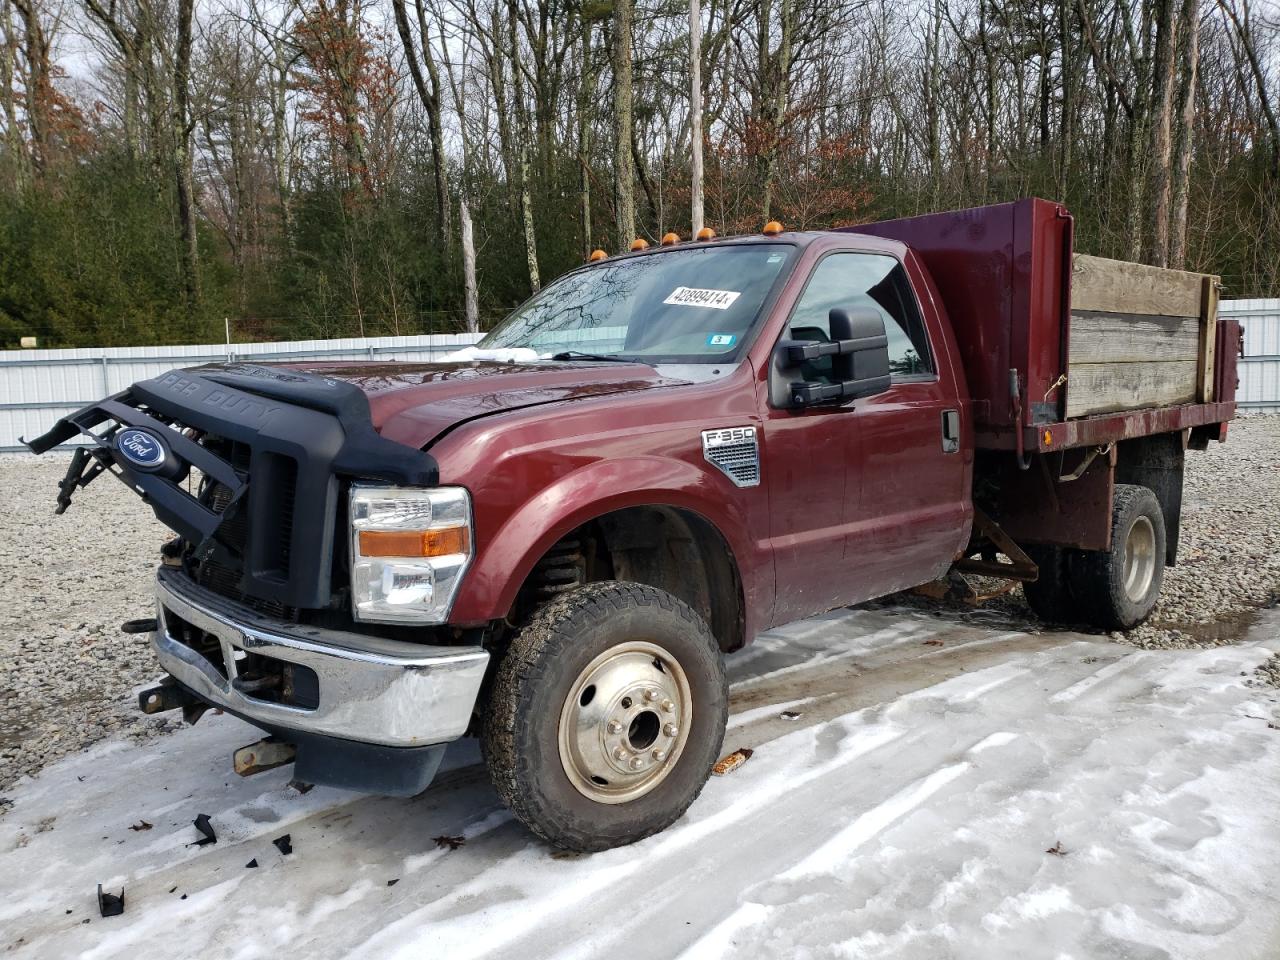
x: 1139, y: 559
x: 625, y: 722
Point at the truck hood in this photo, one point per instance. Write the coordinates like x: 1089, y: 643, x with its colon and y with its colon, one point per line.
x: 416, y: 403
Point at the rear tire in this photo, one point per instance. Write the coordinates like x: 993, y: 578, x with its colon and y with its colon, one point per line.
x: 1050, y: 596
x: 606, y: 715
x: 1118, y: 588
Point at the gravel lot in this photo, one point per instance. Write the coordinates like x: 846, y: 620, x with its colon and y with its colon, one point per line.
x: 70, y: 581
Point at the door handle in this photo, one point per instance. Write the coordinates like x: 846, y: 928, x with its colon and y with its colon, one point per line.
x: 950, y: 431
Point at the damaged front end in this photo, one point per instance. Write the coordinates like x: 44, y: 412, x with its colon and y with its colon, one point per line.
x: 251, y: 467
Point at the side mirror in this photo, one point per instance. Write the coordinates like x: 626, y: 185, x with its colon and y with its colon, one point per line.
x: 859, y: 352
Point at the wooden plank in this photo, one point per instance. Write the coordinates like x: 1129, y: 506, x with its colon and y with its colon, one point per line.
x: 1132, y: 338
x: 1119, y: 287
x: 1208, y: 337
x: 1107, y: 387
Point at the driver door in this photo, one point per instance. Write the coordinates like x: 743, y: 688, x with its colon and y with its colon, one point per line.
x: 864, y: 498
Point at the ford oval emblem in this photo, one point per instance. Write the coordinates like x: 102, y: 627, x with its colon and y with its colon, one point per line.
x: 140, y: 448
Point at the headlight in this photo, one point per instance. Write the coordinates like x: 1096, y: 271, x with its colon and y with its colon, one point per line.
x: 409, y: 550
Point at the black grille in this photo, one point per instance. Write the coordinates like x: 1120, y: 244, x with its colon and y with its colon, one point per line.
x: 220, y: 567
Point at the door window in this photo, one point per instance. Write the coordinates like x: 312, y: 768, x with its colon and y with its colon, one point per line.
x: 853, y: 281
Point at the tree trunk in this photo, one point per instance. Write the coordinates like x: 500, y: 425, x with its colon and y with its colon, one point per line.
x: 182, y: 162
x: 522, y: 137
x: 1190, y: 31
x: 1137, y: 136
x: 989, y: 96
x: 428, y: 90
x: 777, y: 108
x: 933, y: 95
x: 39, y: 87
x: 622, y: 106
x: 1067, y: 133
x: 281, y: 165
x: 15, y: 150
x: 1159, y: 150
x: 695, y: 111
x: 586, y: 89
x: 470, y: 294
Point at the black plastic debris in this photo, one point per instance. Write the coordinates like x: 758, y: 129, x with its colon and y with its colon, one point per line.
x: 252, y: 864
x: 206, y: 829
x: 110, y: 904
x: 453, y: 843
x: 173, y: 889
x: 140, y: 825
x: 183, y: 897
x: 392, y: 883
x: 284, y: 844
x: 790, y: 715
x: 302, y: 786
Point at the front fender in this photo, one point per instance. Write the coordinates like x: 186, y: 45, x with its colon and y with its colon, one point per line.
x: 507, y: 556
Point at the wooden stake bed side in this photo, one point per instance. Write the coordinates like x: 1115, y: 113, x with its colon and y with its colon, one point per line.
x: 1139, y: 337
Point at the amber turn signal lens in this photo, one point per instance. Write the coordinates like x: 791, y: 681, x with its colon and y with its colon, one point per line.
x: 706, y: 233
x: 772, y: 228
x: 597, y: 255
x: 414, y: 543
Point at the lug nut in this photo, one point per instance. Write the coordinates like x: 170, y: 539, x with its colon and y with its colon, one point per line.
x: 619, y: 753
x: 651, y: 695
x: 615, y: 726
x: 659, y: 755
x: 636, y: 763
x: 667, y: 706
x: 671, y: 730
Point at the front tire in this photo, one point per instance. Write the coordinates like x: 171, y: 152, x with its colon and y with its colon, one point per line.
x: 606, y: 715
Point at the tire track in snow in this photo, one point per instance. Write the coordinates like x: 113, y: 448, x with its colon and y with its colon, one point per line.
x: 792, y: 773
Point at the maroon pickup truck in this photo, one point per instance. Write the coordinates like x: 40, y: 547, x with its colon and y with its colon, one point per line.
x: 553, y: 540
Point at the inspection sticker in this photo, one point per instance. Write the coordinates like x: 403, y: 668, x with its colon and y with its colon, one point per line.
x: 720, y: 339
x: 697, y: 297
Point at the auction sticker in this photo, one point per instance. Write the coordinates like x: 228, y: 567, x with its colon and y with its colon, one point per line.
x: 698, y: 297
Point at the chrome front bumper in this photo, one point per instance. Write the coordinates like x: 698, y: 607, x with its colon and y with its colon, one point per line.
x: 385, y: 692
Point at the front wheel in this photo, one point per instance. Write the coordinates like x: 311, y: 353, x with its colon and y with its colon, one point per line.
x: 606, y: 715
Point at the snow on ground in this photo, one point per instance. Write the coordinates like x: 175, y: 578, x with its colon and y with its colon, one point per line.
x: 907, y: 812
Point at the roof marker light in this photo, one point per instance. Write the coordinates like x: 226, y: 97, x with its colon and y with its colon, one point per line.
x: 706, y: 233
x: 772, y: 228
x: 597, y: 255
x: 670, y: 239
x: 639, y: 243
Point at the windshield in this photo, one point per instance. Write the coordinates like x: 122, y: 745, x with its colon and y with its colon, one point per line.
x: 690, y: 305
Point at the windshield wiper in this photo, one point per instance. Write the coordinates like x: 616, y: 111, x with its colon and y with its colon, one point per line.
x: 579, y: 355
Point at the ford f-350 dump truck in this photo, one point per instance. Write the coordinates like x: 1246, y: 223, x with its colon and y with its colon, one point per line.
x: 553, y: 541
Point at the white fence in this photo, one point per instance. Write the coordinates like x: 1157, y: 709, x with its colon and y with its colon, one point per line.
x: 1260, y: 366
x: 39, y: 386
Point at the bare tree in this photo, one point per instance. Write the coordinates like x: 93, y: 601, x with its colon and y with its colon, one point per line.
x: 623, y: 105
x: 428, y: 90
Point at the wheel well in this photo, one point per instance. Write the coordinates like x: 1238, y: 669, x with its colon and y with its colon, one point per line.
x: 665, y: 547
x: 1156, y: 462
